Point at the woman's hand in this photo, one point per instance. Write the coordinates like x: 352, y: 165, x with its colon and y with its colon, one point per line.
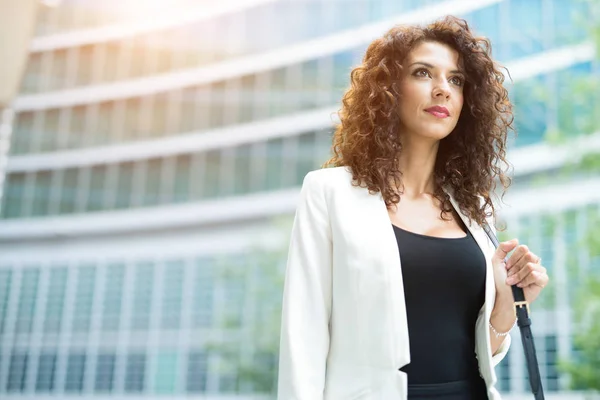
x: 523, y: 268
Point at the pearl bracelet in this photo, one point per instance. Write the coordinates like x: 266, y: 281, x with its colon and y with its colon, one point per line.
x: 499, y: 334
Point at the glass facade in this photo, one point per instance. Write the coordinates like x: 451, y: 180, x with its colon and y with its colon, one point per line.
x: 101, y: 340
x: 232, y: 171
x: 276, y: 93
x: 124, y: 127
x: 110, y: 332
x: 528, y: 27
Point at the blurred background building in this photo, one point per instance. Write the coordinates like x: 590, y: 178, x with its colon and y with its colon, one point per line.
x: 154, y: 143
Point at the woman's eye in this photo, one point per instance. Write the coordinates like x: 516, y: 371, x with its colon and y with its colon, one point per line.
x: 418, y: 72
x: 457, y: 81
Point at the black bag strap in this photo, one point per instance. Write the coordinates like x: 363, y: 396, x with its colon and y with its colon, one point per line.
x: 524, y: 322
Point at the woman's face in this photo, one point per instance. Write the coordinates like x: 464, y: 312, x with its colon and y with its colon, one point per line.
x: 431, y: 91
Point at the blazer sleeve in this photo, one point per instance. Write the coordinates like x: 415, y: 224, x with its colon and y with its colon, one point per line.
x: 503, y: 349
x: 306, y: 308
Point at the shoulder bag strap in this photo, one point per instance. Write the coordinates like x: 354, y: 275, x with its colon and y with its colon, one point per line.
x: 524, y: 322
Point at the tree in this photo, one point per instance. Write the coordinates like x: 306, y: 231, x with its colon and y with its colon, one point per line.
x: 584, y: 367
x: 249, y: 345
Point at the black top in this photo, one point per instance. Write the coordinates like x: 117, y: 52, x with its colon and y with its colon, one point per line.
x: 444, y: 289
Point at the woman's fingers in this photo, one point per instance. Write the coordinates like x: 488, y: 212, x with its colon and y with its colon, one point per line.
x: 536, y: 277
x: 521, y: 273
x: 521, y: 257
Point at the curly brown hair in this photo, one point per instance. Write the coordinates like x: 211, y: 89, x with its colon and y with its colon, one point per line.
x: 366, y: 140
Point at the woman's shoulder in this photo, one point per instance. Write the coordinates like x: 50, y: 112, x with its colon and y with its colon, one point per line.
x: 329, y: 178
x: 329, y: 173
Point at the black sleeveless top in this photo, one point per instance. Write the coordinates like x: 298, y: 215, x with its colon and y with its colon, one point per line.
x: 444, y: 289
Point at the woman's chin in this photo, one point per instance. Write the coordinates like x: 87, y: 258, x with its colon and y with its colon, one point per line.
x: 435, y: 134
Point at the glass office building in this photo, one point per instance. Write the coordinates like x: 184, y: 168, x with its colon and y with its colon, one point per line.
x: 153, y: 144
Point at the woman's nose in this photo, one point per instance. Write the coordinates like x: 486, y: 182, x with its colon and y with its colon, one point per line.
x: 441, y: 89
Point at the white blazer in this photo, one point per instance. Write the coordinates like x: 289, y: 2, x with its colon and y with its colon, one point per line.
x: 344, y: 332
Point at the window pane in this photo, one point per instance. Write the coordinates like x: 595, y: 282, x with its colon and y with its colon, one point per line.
x: 267, y: 363
x: 305, y: 154
x: 113, y: 293
x: 203, y: 294
x: 531, y: 93
x: 75, y: 373
x: 45, y: 375
x: 262, y: 96
x: 136, y: 369
x: 183, y: 177
x: 142, y: 297
x: 5, y: 288
x: 138, y: 52
x: 153, y: 175
x: 503, y: 370
x: 277, y: 93
x: 234, y: 292
x: 55, y: 300
x: 125, y: 184
x: 86, y: 62
x: 292, y: 92
x: 32, y: 75
x: 323, y: 146
x: 13, y: 196
x: 213, y: 171
x: 41, y: 194
x: 227, y: 173
x: 217, y: 105
x: 97, y: 188
x: 111, y: 69
x: 274, y: 163
x: 50, y: 132
x: 166, y: 373
x: 82, y: 312
x: 20, y: 140
x: 246, y: 95
x: 188, y: 110
x: 68, y: 197
x: 242, y: 176
x: 228, y: 380
x: 309, y: 92
x: 551, y: 363
x: 160, y: 114
x: 27, y: 300
x: 130, y: 122
x: 172, y: 289
x: 202, y: 119
x: 197, y: 372
x: 17, y: 373
x: 342, y: 63
x: 77, y: 129
x: 105, y: 369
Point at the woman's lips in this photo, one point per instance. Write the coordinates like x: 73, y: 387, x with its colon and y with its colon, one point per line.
x: 438, y: 114
x: 438, y: 111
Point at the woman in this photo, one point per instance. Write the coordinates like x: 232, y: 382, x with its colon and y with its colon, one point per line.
x: 392, y: 288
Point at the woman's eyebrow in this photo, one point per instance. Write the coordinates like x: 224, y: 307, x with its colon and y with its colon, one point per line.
x: 431, y: 66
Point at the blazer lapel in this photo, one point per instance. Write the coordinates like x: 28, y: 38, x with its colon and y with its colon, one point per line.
x: 382, y: 241
x: 378, y: 243
x: 483, y: 345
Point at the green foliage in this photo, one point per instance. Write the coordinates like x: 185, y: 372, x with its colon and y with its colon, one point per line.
x: 584, y: 367
x: 584, y: 370
x: 249, y: 344
x: 590, y: 162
